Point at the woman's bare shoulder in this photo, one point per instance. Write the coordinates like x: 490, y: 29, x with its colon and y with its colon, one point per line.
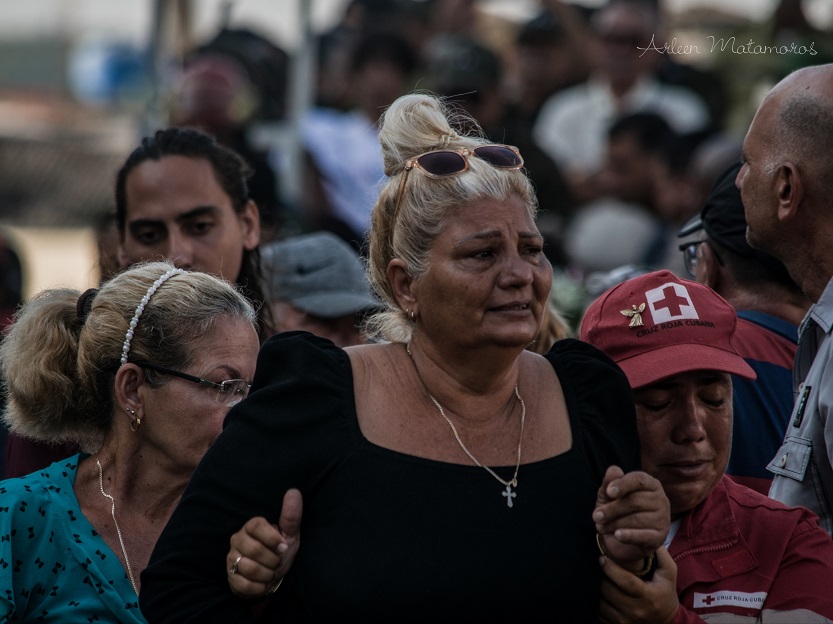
x: 374, y: 361
x: 373, y: 352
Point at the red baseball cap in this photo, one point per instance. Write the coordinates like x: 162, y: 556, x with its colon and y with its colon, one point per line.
x: 658, y: 325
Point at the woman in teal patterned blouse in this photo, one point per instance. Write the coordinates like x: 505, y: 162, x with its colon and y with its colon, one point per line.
x: 142, y: 372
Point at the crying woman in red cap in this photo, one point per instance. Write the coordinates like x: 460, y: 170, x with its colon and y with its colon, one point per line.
x: 730, y: 551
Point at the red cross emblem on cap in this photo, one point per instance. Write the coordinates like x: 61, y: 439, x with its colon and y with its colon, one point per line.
x: 670, y: 302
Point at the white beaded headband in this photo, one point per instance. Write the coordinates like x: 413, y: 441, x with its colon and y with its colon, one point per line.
x: 141, y: 308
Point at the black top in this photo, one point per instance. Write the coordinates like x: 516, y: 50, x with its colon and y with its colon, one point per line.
x: 387, y: 536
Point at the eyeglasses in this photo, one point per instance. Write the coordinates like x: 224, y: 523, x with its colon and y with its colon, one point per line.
x: 689, y: 250
x: 447, y: 162
x: 229, y: 392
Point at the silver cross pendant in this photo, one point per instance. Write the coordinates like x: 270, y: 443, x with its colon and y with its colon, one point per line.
x: 509, y: 494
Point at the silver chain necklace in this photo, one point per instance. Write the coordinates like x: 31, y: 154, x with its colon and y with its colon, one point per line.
x: 513, y: 482
x: 118, y: 531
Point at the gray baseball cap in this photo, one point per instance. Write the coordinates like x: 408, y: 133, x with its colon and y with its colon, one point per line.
x: 319, y: 273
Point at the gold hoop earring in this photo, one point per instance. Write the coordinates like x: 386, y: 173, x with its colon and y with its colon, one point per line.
x: 135, y: 424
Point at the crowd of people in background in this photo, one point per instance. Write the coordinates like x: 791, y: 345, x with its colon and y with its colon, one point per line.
x: 524, y: 258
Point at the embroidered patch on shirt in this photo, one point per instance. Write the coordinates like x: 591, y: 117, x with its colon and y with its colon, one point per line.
x: 754, y: 600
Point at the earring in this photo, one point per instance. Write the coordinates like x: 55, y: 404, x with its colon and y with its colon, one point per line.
x: 413, y: 315
x: 135, y: 424
x: 130, y: 411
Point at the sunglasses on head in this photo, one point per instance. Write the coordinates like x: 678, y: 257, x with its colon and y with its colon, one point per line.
x: 448, y: 162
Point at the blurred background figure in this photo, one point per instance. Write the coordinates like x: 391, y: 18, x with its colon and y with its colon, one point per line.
x: 316, y: 282
x: 683, y: 177
x: 222, y: 91
x: 550, y: 55
x: 265, y: 63
x: 633, y: 142
x: 713, y: 156
x: 408, y: 19
x: 747, y: 77
x: 343, y: 162
x: 678, y: 193
x: 11, y: 296
x: 471, y: 19
x: 572, y: 123
x: 621, y: 226
x: 11, y: 279
x: 653, y: 180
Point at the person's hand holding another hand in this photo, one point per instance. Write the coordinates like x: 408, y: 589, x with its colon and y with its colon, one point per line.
x: 627, y: 598
x: 632, y: 517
